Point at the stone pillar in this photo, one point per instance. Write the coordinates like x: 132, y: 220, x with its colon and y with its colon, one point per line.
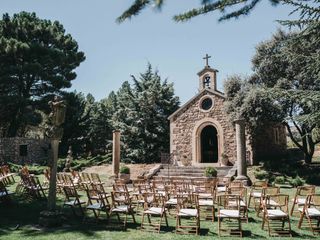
x: 116, y: 153
x: 241, y: 151
x: 53, y: 175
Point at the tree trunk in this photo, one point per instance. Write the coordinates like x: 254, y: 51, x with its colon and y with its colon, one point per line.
x: 308, y: 158
x: 311, y: 148
x: 15, y: 124
x: 307, y: 147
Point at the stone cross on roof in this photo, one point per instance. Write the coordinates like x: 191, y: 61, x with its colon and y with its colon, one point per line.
x: 207, y: 58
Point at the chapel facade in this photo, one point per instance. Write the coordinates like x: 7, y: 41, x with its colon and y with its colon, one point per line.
x: 202, y: 134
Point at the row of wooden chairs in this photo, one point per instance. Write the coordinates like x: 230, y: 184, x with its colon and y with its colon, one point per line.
x: 6, y: 176
x: 31, y: 185
x: 274, y: 205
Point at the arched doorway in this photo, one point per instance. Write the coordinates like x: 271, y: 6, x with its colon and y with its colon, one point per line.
x: 209, y: 144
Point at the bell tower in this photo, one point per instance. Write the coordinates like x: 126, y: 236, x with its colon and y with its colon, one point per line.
x: 207, y: 76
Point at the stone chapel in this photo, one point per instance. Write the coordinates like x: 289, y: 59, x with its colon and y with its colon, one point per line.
x: 202, y: 134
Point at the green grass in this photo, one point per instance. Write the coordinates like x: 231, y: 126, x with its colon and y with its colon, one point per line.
x: 25, y: 214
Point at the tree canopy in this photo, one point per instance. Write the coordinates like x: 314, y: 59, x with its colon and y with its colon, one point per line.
x: 37, y: 59
x: 141, y: 115
x: 284, y: 87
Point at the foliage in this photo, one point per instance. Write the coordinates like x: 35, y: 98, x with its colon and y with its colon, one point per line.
x: 33, y: 168
x: 280, y: 180
x: 37, y: 59
x: 284, y: 88
x: 261, y: 174
x: 289, y: 70
x: 297, y: 181
x: 124, y: 169
x: 77, y: 122
x: 141, y: 116
x: 82, y: 163
x: 211, y: 172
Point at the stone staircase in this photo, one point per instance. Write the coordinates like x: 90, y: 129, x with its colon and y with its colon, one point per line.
x: 189, y: 171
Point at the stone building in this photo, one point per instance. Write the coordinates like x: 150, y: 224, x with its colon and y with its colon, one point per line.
x: 22, y: 150
x: 201, y: 133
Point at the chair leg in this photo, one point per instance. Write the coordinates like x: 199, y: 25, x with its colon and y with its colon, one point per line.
x: 269, y: 230
x: 301, y: 220
x: 292, y: 208
x: 159, y: 226
x: 166, y: 219
x: 178, y: 223
x: 133, y: 218
x: 142, y: 220
x: 289, y: 225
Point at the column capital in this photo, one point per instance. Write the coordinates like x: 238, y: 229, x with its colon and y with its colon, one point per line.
x: 239, y: 121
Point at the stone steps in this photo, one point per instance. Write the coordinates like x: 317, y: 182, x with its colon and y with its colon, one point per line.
x: 189, y: 171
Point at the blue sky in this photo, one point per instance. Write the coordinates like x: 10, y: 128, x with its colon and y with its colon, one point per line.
x: 114, y: 52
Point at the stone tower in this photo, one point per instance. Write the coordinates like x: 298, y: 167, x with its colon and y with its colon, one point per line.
x: 207, y: 77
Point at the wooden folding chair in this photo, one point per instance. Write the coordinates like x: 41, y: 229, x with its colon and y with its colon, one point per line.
x: 272, y: 190
x: 229, y: 218
x: 256, y: 193
x: 95, y: 178
x: 4, y: 193
x: 97, y: 201
x: 37, y: 188
x: 85, y: 178
x: 72, y: 199
x: 311, y: 211
x: 188, y: 214
x: 206, y: 194
x: 241, y: 191
x: 222, y: 184
x: 154, y: 207
x: 7, y: 176
x: 300, y: 196
x: 121, y: 204
x: 276, y: 215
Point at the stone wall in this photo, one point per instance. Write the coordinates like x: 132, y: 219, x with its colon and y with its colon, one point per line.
x: 270, y: 141
x: 184, y: 124
x: 24, y: 150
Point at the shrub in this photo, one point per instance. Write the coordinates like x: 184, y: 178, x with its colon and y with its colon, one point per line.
x: 280, y: 180
x: 124, y: 170
x: 211, y: 172
x: 261, y: 174
x: 297, y: 181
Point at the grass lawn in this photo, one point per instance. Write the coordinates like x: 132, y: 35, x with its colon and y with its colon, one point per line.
x: 19, y: 220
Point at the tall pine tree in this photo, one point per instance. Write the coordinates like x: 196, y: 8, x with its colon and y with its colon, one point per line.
x: 142, y: 115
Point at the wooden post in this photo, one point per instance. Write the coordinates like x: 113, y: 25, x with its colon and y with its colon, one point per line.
x: 116, y: 153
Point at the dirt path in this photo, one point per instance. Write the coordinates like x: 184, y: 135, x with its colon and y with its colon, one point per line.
x: 106, y: 170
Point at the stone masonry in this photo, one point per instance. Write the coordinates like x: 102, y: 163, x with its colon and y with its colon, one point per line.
x: 23, y: 150
x: 185, y: 123
x: 206, y: 111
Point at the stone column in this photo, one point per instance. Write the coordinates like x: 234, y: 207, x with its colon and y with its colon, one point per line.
x: 53, y: 175
x: 241, y: 151
x: 116, y: 153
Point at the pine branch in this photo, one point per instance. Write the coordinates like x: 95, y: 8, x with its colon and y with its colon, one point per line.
x: 242, y: 11
x: 219, y: 5
x: 133, y: 10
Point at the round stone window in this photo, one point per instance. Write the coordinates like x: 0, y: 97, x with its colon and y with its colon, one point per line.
x: 206, y: 103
